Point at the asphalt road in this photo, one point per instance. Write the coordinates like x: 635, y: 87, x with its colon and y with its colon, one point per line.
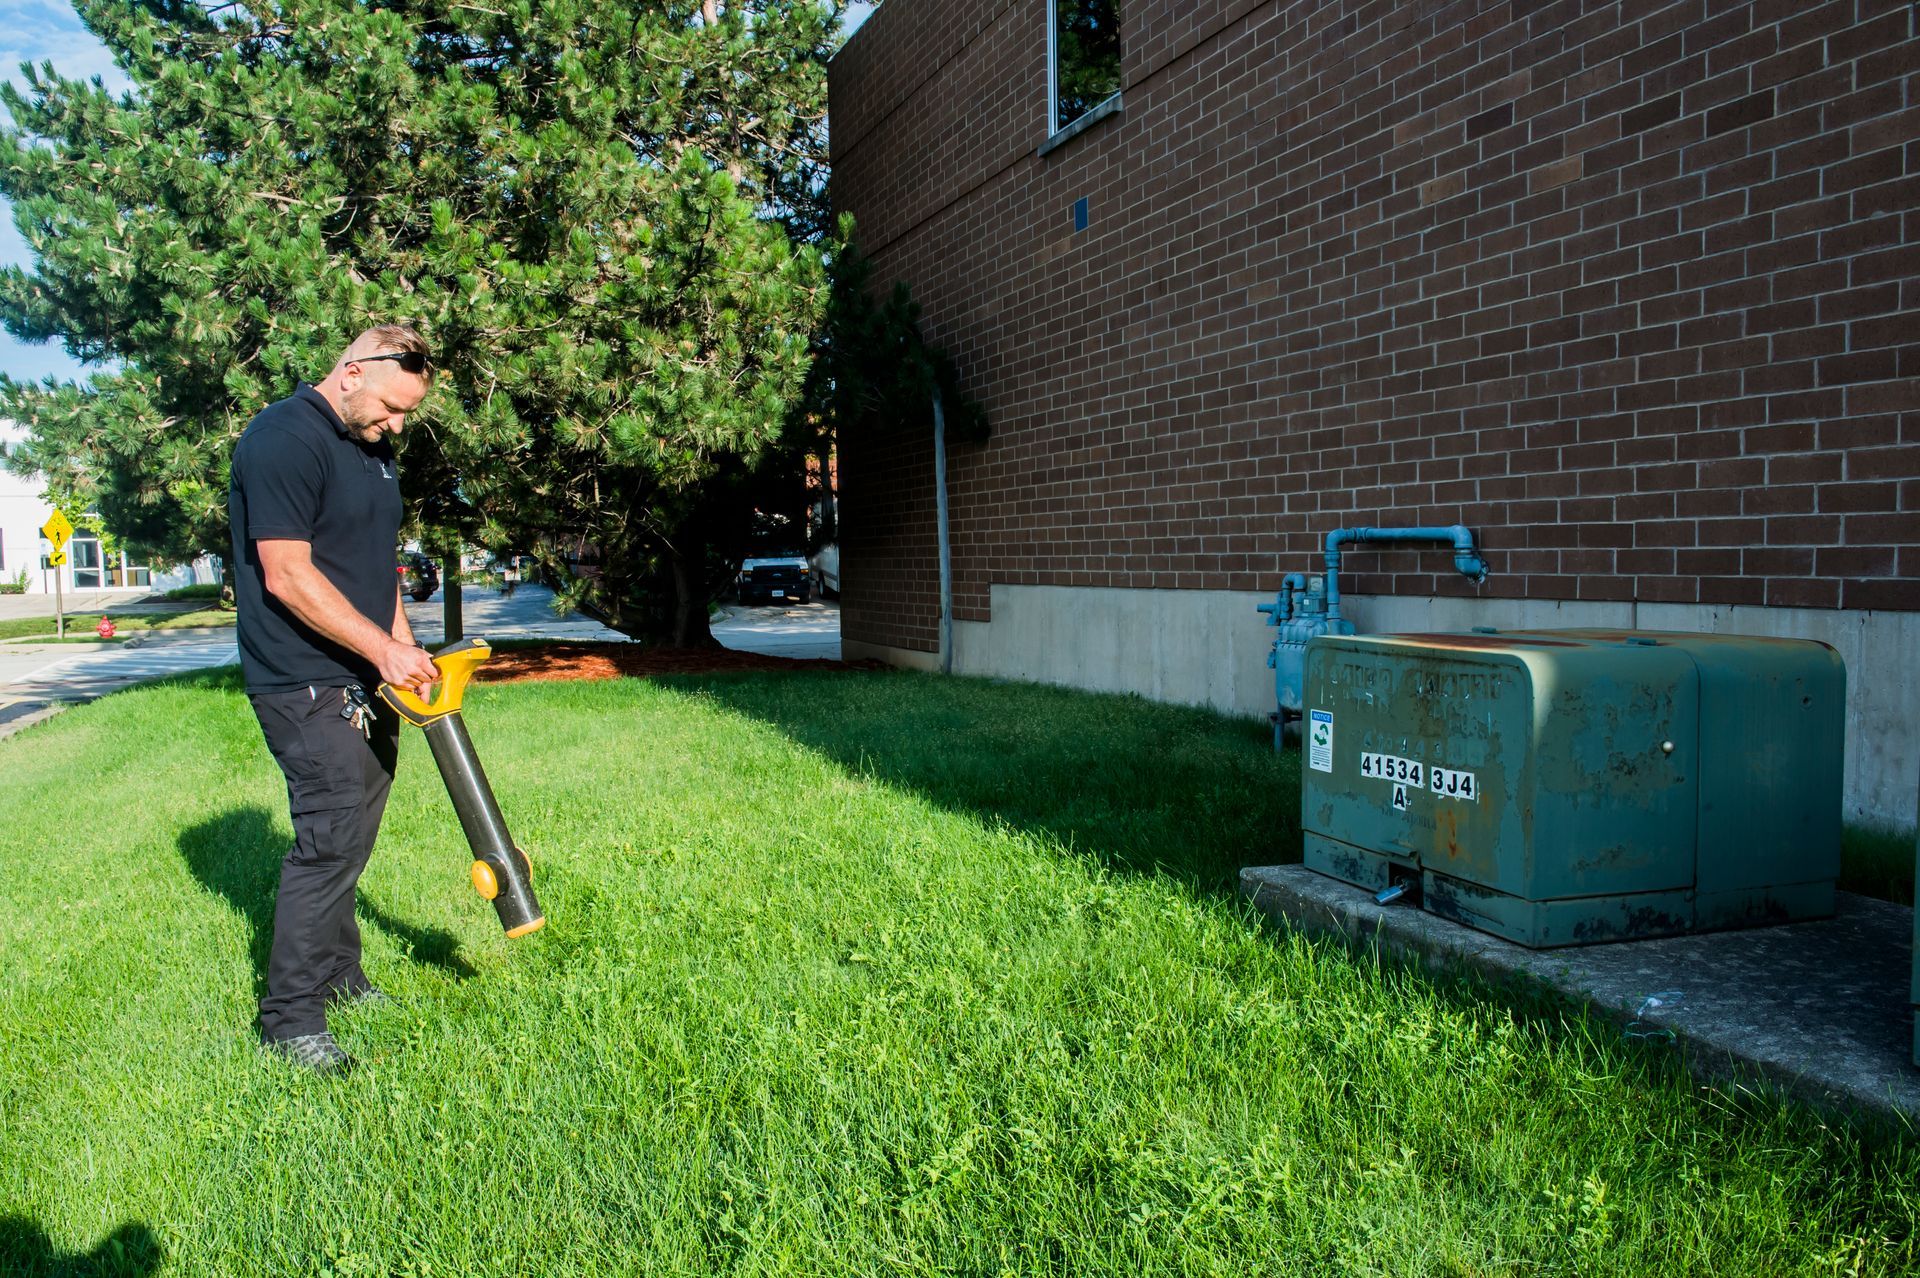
x: 487, y: 614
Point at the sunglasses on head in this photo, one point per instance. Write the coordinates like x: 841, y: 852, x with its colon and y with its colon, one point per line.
x: 412, y: 361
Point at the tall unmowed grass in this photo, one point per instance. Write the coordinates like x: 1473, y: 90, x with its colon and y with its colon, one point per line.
x: 868, y: 973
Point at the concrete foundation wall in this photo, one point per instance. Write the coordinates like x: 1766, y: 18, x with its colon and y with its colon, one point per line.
x: 1209, y: 648
x: 905, y: 658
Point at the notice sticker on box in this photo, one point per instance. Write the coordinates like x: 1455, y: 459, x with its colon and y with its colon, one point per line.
x: 1320, y: 740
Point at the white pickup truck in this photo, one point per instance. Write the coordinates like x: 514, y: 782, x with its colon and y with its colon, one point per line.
x: 784, y: 577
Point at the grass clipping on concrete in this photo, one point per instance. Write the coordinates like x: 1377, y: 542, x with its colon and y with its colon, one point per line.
x: 863, y: 973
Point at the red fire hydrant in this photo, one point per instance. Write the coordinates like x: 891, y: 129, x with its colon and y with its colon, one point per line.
x: 105, y: 628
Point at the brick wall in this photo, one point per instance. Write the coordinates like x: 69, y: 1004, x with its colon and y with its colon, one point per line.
x: 1632, y: 289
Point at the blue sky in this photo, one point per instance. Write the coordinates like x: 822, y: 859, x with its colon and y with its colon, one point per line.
x: 48, y: 31
x: 41, y: 31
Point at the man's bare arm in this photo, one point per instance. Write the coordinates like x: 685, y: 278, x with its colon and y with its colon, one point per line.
x: 402, y: 628
x: 294, y: 581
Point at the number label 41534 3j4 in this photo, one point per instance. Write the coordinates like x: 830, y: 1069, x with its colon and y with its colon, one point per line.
x: 1448, y: 783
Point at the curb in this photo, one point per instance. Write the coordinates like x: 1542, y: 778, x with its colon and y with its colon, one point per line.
x: 24, y: 714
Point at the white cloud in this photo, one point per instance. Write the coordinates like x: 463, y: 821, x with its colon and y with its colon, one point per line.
x: 39, y: 31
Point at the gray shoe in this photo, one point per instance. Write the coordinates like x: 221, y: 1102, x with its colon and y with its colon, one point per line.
x: 369, y: 997
x: 317, y: 1052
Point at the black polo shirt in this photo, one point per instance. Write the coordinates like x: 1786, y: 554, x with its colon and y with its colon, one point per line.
x: 298, y: 476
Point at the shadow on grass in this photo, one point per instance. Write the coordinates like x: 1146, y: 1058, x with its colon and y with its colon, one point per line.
x: 238, y: 855
x: 26, y: 1251
x: 1139, y: 785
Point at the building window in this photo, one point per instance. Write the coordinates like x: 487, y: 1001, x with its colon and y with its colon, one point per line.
x: 123, y: 572
x: 1084, y: 66
x: 84, y: 554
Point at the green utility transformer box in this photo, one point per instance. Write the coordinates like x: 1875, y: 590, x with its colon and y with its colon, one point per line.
x: 1567, y: 787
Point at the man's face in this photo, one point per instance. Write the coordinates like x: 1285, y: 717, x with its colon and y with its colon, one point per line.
x: 376, y: 398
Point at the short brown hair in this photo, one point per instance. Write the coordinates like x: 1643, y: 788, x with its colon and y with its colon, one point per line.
x: 396, y: 337
x: 386, y: 339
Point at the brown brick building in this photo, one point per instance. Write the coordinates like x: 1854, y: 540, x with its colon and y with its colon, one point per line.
x: 1632, y: 289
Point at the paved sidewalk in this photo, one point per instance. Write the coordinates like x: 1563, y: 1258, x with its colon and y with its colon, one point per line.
x: 19, y: 660
x: 809, y: 632
x: 39, y: 680
x: 14, y: 606
x: 487, y: 614
x: 806, y: 631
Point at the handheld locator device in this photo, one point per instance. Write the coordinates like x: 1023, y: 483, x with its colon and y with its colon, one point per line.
x: 501, y: 871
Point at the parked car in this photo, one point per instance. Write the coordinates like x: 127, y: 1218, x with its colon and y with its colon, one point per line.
x: 419, y: 576
x: 826, y: 570
x: 774, y: 577
x: 826, y: 560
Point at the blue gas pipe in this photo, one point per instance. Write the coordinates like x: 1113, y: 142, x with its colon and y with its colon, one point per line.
x: 1466, y: 558
x: 1307, y: 608
x: 1294, y: 583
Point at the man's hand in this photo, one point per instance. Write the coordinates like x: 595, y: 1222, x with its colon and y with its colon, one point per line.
x: 405, y: 666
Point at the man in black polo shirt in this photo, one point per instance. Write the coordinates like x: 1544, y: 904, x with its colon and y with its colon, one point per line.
x: 315, y: 509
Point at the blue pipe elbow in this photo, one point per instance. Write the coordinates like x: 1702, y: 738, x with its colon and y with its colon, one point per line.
x: 1466, y: 556
x: 1291, y: 585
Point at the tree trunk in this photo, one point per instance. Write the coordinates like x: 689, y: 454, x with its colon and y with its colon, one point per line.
x: 451, y: 620
x: 690, y: 628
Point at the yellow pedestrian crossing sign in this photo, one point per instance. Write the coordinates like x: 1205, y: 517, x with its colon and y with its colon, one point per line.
x: 57, y: 530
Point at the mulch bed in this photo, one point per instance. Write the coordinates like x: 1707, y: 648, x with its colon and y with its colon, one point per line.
x: 587, y: 661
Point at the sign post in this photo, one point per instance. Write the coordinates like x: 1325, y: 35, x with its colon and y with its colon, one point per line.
x: 56, y: 530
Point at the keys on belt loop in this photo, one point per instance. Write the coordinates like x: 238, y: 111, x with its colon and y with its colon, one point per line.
x: 356, y: 709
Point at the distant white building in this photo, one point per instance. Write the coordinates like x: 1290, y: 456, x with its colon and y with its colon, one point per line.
x: 24, y: 510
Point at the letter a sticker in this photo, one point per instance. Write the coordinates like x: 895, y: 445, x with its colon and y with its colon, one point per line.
x: 1400, y: 803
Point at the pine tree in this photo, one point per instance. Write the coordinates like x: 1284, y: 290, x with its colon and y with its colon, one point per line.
x: 873, y: 371
x: 607, y: 217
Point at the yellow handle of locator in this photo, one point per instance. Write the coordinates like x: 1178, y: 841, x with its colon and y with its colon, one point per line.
x: 457, y: 664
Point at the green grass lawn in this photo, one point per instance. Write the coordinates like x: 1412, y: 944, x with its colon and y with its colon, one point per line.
x: 869, y: 973
x: 205, y: 590
x: 81, y: 624
x: 1877, y: 862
